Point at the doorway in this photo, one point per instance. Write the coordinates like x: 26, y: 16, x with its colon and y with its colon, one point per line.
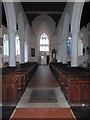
x: 47, y: 61
x: 43, y: 59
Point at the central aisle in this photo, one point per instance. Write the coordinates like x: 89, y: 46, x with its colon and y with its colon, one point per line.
x: 43, y: 78
x: 43, y: 98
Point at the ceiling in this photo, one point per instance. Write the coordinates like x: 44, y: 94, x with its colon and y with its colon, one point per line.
x: 4, y: 22
x: 53, y: 9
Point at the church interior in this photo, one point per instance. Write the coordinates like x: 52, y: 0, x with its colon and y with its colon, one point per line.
x: 45, y: 60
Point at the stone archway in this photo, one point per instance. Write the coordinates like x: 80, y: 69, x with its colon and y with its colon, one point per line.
x: 75, y: 28
x: 48, y: 22
x: 11, y: 27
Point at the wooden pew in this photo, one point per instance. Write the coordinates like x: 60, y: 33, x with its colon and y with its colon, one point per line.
x: 10, y: 89
x: 66, y: 76
x: 78, y: 90
x: 15, y: 80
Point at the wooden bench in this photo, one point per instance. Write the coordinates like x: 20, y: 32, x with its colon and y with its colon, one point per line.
x: 78, y: 90
x: 70, y: 77
x: 10, y: 88
x: 15, y: 80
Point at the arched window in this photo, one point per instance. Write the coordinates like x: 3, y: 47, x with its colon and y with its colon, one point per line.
x: 26, y: 51
x: 5, y: 45
x: 17, y: 42
x: 44, y: 42
x: 69, y: 46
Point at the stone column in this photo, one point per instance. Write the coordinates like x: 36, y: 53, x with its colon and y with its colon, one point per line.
x: 12, y: 48
x: 60, y: 57
x: 21, y: 29
x: 58, y: 54
x: 64, y: 44
x: 58, y: 48
x: 64, y: 50
x: 74, y: 55
x: 60, y: 45
x: 22, y: 50
x: 65, y: 36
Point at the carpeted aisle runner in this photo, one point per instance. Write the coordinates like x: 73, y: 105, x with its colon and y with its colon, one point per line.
x: 57, y: 113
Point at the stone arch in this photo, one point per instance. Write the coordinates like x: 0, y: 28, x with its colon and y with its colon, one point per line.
x: 11, y: 27
x: 20, y: 22
x: 75, y: 28
x: 37, y: 25
x: 75, y: 22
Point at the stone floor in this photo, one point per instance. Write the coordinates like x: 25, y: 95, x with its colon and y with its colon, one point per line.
x: 44, y: 95
x: 61, y: 101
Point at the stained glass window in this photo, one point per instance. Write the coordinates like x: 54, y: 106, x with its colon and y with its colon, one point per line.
x: 44, y: 42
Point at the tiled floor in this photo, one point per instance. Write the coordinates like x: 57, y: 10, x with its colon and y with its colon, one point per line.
x: 43, y: 80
